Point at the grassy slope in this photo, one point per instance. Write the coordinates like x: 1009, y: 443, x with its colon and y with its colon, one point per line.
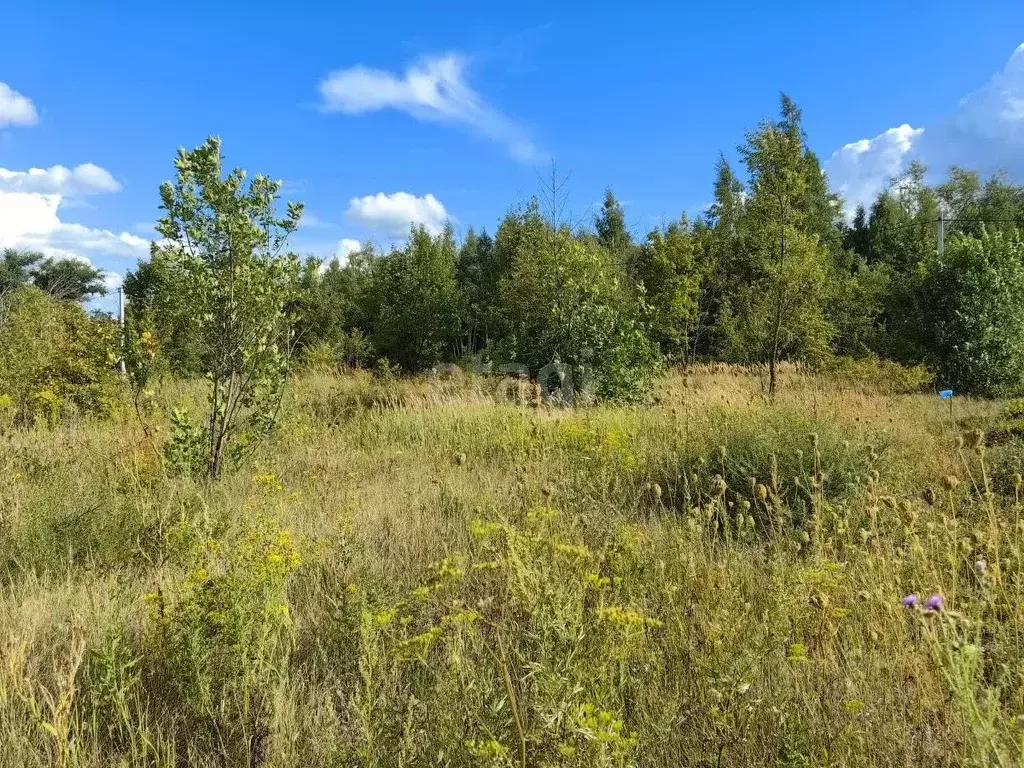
x: 415, y: 574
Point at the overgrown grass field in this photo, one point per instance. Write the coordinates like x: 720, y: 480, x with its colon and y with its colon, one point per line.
x: 423, y: 572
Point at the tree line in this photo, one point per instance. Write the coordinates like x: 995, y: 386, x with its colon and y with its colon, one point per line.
x: 773, y: 271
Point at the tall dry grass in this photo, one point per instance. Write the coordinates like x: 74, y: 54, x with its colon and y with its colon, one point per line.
x: 421, y: 573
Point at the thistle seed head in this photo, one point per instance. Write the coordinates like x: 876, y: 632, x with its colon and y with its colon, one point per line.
x: 718, y: 486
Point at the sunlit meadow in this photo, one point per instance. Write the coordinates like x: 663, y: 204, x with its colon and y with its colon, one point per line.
x: 444, y: 572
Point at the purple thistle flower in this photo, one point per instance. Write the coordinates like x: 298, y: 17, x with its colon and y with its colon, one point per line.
x: 910, y: 601
x: 933, y: 603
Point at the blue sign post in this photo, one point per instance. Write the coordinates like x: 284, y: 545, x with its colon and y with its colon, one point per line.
x: 947, y: 394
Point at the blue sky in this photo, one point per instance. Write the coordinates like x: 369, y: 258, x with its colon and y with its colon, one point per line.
x: 376, y: 115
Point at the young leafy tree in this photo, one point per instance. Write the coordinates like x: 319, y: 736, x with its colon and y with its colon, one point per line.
x: 1001, y: 205
x: 897, y: 241
x: 778, y: 312
x: 563, y: 302
x: 975, y: 329
x: 69, y: 279
x: 159, y: 300
x: 821, y: 211
x: 414, y: 298
x: 63, y: 279
x: 857, y: 236
x: 727, y: 208
x: 333, y: 310
x: 959, y: 197
x: 476, y: 272
x: 856, y: 306
x: 521, y: 245
x: 612, y: 233
x: 667, y: 269
x: 719, y: 255
x: 902, y: 222
x: 17, y: 267
x: 969, y: 206
x: 227, y: 239
x: 340, y: 301
x: 897, y: 238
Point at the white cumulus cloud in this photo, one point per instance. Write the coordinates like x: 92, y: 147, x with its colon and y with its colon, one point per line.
x: 31, y: 220
x: 82, y: 180
x: 24, y: 215
x: 860, y: 170
x: 435, y: 90
x: 16, y: 109
x: 30, y: 205
x: 393, y: 214
x: 346, y: 247
x: 67, y: 238
x: 112, y: 281
x: 985, y: 132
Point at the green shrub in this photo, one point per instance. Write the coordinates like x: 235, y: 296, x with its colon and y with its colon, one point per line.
x: 55, y: 360
x: 385, y: 372
x: 217, y: 639
x: 351, y: 350
x: 354, y: 349
x: 975, y: 294
x: 1014, y: 409
x: 875, y: 374
x: 185, y: 451
x: 795, y: 457
x: 319, y: 357
x: 565, y: 303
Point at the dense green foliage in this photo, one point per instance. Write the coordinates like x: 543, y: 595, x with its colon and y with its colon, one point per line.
x: 771, y: 272
x: 414, y: 296
x: 64, y: 279
x: 55, y: 360
x: 223, y: 249
x: 975, y: 295
x: 562, y: 307
x: 159, y: 299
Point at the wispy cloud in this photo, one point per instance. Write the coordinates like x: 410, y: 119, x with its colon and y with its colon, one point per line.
x: 435, y: 89
x: 312, y: 221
